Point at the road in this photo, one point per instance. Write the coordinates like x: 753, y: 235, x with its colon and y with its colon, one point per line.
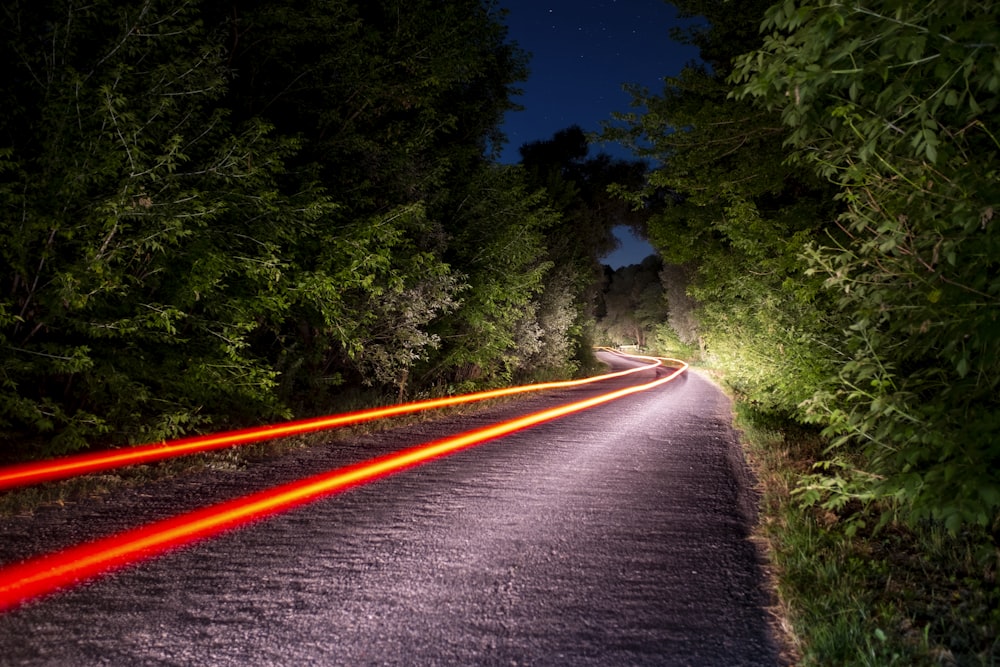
x: 614, y: 536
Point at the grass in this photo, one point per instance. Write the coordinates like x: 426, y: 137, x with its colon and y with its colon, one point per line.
x: 899, y: 595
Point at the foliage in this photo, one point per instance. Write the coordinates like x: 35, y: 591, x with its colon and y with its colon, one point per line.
x: 139, y: 244
x: 217, y: 214
x: 682, y: 320
x: 733, y: 218
x: 896, y: 103
x: 632, y: 304
x: 396, y: 103
x: 549, y: 350
x: 581, y: 190
x: 498, y: 232
x: 397, y: 99
x: 834, y: 211
x: 917, y: 595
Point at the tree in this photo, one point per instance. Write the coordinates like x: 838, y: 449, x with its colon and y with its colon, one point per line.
x: 733, y: 219
x: 581, y: 189
x: 633, y: 303
x: 896, y: 103
x: 498, y: 244
x: 216, y: 212
x: 137, y: 248
x: 397, y: 105
x: 682, y: 316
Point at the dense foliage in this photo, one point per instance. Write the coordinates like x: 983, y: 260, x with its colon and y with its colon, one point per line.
x: 216, y: 213
x: 580, y: 189
x: 632, y: 305
x: 831, y: 199
x: 896, y: 103
x: 730, y: 218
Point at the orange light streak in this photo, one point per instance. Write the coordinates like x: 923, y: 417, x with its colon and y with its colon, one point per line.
x: 50, y: 572
x: 70, y: 466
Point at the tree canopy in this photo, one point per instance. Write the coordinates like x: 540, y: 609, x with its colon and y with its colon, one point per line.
x: 830, y: 185
x: 219, y: 213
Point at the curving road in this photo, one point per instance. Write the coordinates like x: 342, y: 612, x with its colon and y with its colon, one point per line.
x: 615, y: 536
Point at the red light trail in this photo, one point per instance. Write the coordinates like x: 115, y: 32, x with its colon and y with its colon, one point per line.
x: 71, y: 466
x: 50, y: 572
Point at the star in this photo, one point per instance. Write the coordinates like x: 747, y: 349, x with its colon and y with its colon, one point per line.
x: 571, y: 70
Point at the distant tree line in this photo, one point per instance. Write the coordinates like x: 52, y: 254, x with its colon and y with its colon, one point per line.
x: 831, y: 188
x: 217, y: 213
x: 632, y: 304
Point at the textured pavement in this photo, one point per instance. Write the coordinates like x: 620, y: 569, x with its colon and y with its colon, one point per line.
x: 616, y: 536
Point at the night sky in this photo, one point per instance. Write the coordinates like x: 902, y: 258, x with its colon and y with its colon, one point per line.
x: 582, y: 52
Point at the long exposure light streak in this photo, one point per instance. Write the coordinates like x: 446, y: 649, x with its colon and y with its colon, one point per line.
x: 70, y: 466
x: 48, y: 573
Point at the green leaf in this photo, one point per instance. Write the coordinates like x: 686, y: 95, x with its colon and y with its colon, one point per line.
x: 789, y: 12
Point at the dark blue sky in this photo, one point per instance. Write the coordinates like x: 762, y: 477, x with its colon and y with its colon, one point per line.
x: 582, y: 52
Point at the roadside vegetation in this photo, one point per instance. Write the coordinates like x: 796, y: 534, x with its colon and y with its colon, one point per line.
x: 889, y: 593
x: 220, y: 214
x: 856, y: 583
x: 830, y: 250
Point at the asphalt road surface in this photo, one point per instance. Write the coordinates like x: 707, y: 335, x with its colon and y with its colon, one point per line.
x: 615, y: 536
